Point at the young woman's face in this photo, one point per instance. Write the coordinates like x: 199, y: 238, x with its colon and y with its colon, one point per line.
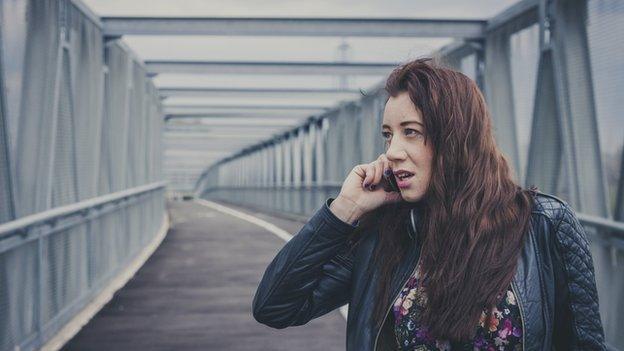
x: 404, y: 134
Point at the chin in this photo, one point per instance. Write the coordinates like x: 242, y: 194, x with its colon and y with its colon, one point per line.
x: 410, y: 196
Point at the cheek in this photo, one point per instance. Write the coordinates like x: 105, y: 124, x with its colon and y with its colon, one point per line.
x: 425, y: 166
x: 423, y: 180
x: 423, y: 162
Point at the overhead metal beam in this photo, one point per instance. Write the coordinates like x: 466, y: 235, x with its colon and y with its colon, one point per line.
x: 255, y: 67
x: 185, y: 167
x: 207, y: 128
x: 204, y: 140
x: 338, y: 27
x: 180, y: 175
x: 521, y: 14
x: 244, y: 111
x: 240, y: 114
x: 188, y: 161
x: 214, y: 135
x: 180, y: 172
x: 328, y: 101
x: 225, y: 121
x: 188, y: 108
x: 254, y: 92
x: 229, y: 152
x: 188, y: 165
x: 195, y: 157
x: 182, y: 152
x: 210, y: 144
x: 249, y: 115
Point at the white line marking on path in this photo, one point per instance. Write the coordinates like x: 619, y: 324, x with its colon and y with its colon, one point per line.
x: 284, y: 235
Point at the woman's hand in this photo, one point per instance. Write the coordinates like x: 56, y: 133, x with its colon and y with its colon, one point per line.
x: 363, y: 190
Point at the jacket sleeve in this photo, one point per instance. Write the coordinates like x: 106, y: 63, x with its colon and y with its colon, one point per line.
x: 577, y: 317
x: 310, y: 276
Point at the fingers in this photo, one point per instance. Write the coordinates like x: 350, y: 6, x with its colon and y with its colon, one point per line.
x: 370, y: 172
x: 385, y: 163
x: 360, y: 170
x: 378, y: 172
x: 373, y: 172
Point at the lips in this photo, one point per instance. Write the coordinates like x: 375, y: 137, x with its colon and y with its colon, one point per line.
x: 402, y: 174
x: 404, y: 183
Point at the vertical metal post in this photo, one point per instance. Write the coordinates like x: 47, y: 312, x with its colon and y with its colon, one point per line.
x: 574, y: 86
x: 479, y: 52
x: 279, y: 159
x: 544, y: 159
x: 5, y: 157
x: 619, y: 202
x: 297, y: 139
x: 499, y: 94
x: 40, y: 286
x: 310, y: 135
x: 46, y: 187
x: 318, y: 150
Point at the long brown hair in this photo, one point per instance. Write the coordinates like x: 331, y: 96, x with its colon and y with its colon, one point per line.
x: 473, y: 215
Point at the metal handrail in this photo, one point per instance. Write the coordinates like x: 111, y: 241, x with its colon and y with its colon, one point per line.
x: 605, y: 224
x: 11, y: 228
x: 602, y: 223
x: 611, y: 232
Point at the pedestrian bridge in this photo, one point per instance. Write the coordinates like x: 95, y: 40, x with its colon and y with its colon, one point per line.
x: 151, y: 166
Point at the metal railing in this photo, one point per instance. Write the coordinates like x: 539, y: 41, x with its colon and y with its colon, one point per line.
x: 53, y: 263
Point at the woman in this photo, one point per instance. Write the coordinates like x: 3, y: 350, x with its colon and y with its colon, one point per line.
x: 459, y: 258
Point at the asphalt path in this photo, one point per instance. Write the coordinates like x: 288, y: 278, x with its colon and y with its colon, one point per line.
x: 195, y: 292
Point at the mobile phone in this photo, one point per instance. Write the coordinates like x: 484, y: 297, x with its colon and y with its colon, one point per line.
x: 389, y: 183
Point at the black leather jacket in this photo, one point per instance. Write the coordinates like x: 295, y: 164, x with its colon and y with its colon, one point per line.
x: 314, y: 274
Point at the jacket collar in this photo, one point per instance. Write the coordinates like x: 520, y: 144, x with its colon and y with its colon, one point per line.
x: 413, y: 222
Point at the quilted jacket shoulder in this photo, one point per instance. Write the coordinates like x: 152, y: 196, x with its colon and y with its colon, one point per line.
x: 577, y: 303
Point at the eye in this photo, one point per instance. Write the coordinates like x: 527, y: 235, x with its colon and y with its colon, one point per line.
x: 407, y: 130
x: 385, y: 135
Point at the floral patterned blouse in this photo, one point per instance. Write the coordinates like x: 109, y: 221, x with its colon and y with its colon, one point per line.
x: 504, y: 332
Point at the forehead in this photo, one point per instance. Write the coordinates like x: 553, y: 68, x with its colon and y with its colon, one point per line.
x: 399, y: 109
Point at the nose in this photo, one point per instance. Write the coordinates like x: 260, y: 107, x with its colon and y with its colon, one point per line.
x: 395, y: 152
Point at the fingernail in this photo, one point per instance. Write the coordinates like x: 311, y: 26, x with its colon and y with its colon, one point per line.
x: 366, y: 185
x: 387, y: 172
x: 372, y: 187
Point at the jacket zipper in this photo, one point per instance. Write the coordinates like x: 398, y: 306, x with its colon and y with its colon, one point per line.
x: 513, y: 287
x: 392, y: 302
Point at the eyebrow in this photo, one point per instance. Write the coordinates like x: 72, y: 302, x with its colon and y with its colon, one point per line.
x: 403, y: 124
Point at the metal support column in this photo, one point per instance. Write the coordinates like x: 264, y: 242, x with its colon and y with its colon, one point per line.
x: 583, y: 161
x: 499, y: 95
